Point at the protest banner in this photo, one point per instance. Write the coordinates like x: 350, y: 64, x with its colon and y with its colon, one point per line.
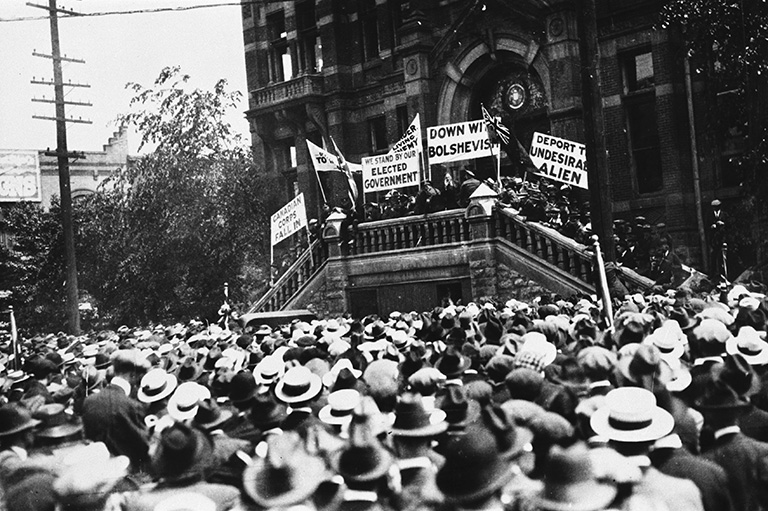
x: 291, y: 218
x: 19, y: 176
x: 391, y: 170
x: 560, y: 159
x: 460, y: 141
x: 411, y: 139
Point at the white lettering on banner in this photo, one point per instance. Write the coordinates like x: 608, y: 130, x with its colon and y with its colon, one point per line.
x: 391, y: 170
x: 460, y: 141
x: 560, y: 159
x: 291, y: 218
x: 19, y: 176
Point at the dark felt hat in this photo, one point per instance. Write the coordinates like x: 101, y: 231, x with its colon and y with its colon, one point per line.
x: 738, y: 374
x: 511, y: 441
x: 182, y: 452
x: 188, y: 370
x: 14, y: 418
x: 267, y: 413
x: 413, y: 420
x: 55, y: 423
x: 459, y: 410
x: 242, y: 387
x: 717, y: 395
x: 452, y: 364
x: 210, y: 415
x: 473, y: 468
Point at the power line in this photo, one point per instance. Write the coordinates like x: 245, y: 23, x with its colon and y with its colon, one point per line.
x: 145, y: 11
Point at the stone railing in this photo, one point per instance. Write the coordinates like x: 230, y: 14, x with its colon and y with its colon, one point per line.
x: 299, y: 87
x: 546, y: 243
x: 441, y: 228
x: 298, y: 274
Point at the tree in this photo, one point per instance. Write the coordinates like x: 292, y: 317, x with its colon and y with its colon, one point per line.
x: 169, y: 229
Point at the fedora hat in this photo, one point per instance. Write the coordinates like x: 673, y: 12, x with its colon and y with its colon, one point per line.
x: 511, y: 441
x: 55, y: 422
x: 452, y: 364
x: 242, y: 387
x: 184, y: 402
x: 364, y: 459
x: 182, y: 451
x: 341, y: 405
x: 156, y: 385
x: 266, y: 413
x: 537, y: 342
x: 459, y: 410
x: 298, y: 384
x: 210, y: 415
x: 286, y: 476
x: 630, y: 414
x: 413, y: 420
x: 570, y: 483
x: 329, y: 379
x: 749, y: 345
x: 738, y: 374
x: 473, y: 469
x: 717, y: 395
x: 645, y: 367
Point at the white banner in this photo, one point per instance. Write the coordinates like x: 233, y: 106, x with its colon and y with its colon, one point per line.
x: 322, y: 159
x: 291, y: 218
x: 411, y: 139
x: 460, y: 141
x: 560, y: 159
x: 391, y: 170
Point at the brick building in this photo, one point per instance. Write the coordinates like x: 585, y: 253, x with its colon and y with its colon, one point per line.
x: 359, y: 71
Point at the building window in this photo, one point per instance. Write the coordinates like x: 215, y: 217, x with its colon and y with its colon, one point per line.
x: 310, y: 58
x: 370, y: 29
x: 640, y: 110
x: 377, y: 132
x: 280, y: 61
x: 638, y: 71
x: 247, y: 11
x: 398, y: 11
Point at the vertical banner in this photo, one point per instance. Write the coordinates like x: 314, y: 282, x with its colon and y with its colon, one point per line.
x: 291, y: 218
x: 411, y: 139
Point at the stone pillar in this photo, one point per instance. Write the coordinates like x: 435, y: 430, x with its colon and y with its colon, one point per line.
x: 336, y: 269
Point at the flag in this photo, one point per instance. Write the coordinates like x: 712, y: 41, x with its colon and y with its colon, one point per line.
x: 495, y: 126
x: 322, y: 160
x: 344, y: 166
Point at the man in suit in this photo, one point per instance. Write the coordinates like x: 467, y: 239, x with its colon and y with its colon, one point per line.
x: 114, y: 417
x: 744, y: 459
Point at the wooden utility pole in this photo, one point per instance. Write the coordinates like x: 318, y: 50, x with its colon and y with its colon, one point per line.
x: 63, y: 156
x: 594, y: 129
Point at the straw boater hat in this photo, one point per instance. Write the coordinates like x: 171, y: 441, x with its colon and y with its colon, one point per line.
x: 537, y: 342
x: 570, y: 483
x: 749, y: 345
x: 269, y: 370
x: 287, y: 476
x: 341, y: 404
x: 630, y: 414
x: 668, y: 342
x: 156, y: 385
x: 297, y: 385
x: 184, y: 402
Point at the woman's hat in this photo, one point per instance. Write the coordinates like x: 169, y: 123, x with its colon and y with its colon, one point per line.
x: 182, y: 452
x: 749, y: 345
x: 570, y: 483
x: 630, y: 414
x: 452, y: 364
x: 297, y: 385
x: 210, y: 415
x: 341, y: 405
x: 287, y: 476
x: 156, y: 385
x: 185, y: 401
x: 188, y: 370
x: 412, y: 419
x: 55, y: 422
x: 14, y: 419
x: 473, y: 469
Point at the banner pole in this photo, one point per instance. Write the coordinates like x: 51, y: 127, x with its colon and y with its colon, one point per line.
x: 271, y: 263
x: 14, y: 340
x: 320, y: 186
x: 607, y: 304
x: 498, y: 168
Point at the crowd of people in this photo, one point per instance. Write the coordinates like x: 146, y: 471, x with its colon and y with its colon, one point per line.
x: 485, y: 406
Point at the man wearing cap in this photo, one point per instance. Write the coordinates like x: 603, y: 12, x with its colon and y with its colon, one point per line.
x: 16, y: 437
x: 115, y: 418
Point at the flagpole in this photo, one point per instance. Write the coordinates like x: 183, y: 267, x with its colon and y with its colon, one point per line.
x: 320, y: 186
x: 271, y: 263
x: 498, y: 168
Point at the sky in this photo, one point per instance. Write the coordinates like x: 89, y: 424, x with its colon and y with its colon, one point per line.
x: 207, y: 43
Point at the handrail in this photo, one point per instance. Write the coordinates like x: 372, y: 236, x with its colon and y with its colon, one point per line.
x: 546, y: 243
x: 290, y: 282
x: 444, y: 227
